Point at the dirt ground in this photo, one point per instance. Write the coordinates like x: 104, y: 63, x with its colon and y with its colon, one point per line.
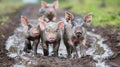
x: 111, y: 35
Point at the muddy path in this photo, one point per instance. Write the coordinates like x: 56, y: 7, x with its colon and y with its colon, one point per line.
x: 111, y: 34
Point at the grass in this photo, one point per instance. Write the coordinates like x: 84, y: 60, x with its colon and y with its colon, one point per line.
x: 101, y: 16
x: 7, y: 8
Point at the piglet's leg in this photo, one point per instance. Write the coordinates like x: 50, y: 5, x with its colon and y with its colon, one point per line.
x: 70, y: 48
x: 83, y: 47
x: 56, y: 48
x: 27, y: 47
x: 35, y: 45
x: 45, y: 49
x: 76, y: 50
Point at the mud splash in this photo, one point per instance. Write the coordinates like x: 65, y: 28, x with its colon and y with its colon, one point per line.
x: 99, y: 51
x: 15, y: 44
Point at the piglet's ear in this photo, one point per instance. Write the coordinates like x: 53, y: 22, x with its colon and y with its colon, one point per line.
x: 42, y: 23
x: 88, y: 18
x: 69, y: 17
x: 24, y: 20
x: 43, y: 4
x: 60, y: 24
x: 56, y: 4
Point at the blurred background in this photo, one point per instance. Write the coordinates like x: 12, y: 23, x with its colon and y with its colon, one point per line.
x: 105, y: 12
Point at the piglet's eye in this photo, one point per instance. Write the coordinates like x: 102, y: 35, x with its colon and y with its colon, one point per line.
x: 29, y: 26
x: 57, y: 30
x: 46, y: 7
x: 46, y: 30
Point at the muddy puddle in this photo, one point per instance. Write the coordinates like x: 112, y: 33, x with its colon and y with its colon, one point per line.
x: 98, y: 51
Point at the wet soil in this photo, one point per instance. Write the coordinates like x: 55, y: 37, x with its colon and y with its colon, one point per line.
x: 111, y: 34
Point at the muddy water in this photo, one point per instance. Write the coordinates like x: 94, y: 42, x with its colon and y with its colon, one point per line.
x: 99, y: 51
x: 15, y: 44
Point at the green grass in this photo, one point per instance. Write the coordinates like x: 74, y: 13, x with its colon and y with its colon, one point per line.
x: 7, y: 8
x: 101, y: 16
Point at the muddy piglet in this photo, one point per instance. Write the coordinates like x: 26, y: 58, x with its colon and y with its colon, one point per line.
x: 74, y: 35
x: 31, y: 31
x: 51, y: 35
x: 48, y: 10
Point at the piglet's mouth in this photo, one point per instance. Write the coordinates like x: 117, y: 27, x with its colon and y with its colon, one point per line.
x: 52, y: 40
x: 78, y: 35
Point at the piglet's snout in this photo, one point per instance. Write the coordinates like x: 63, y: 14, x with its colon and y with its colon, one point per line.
x: 51, y: 9
x: 35, y: 31
x: 51, y: 38
x: 78, y: 33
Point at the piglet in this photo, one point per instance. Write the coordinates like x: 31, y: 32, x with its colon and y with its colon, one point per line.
x: 74, y: 35
x: 31, y: 31
x: 51, y: 35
